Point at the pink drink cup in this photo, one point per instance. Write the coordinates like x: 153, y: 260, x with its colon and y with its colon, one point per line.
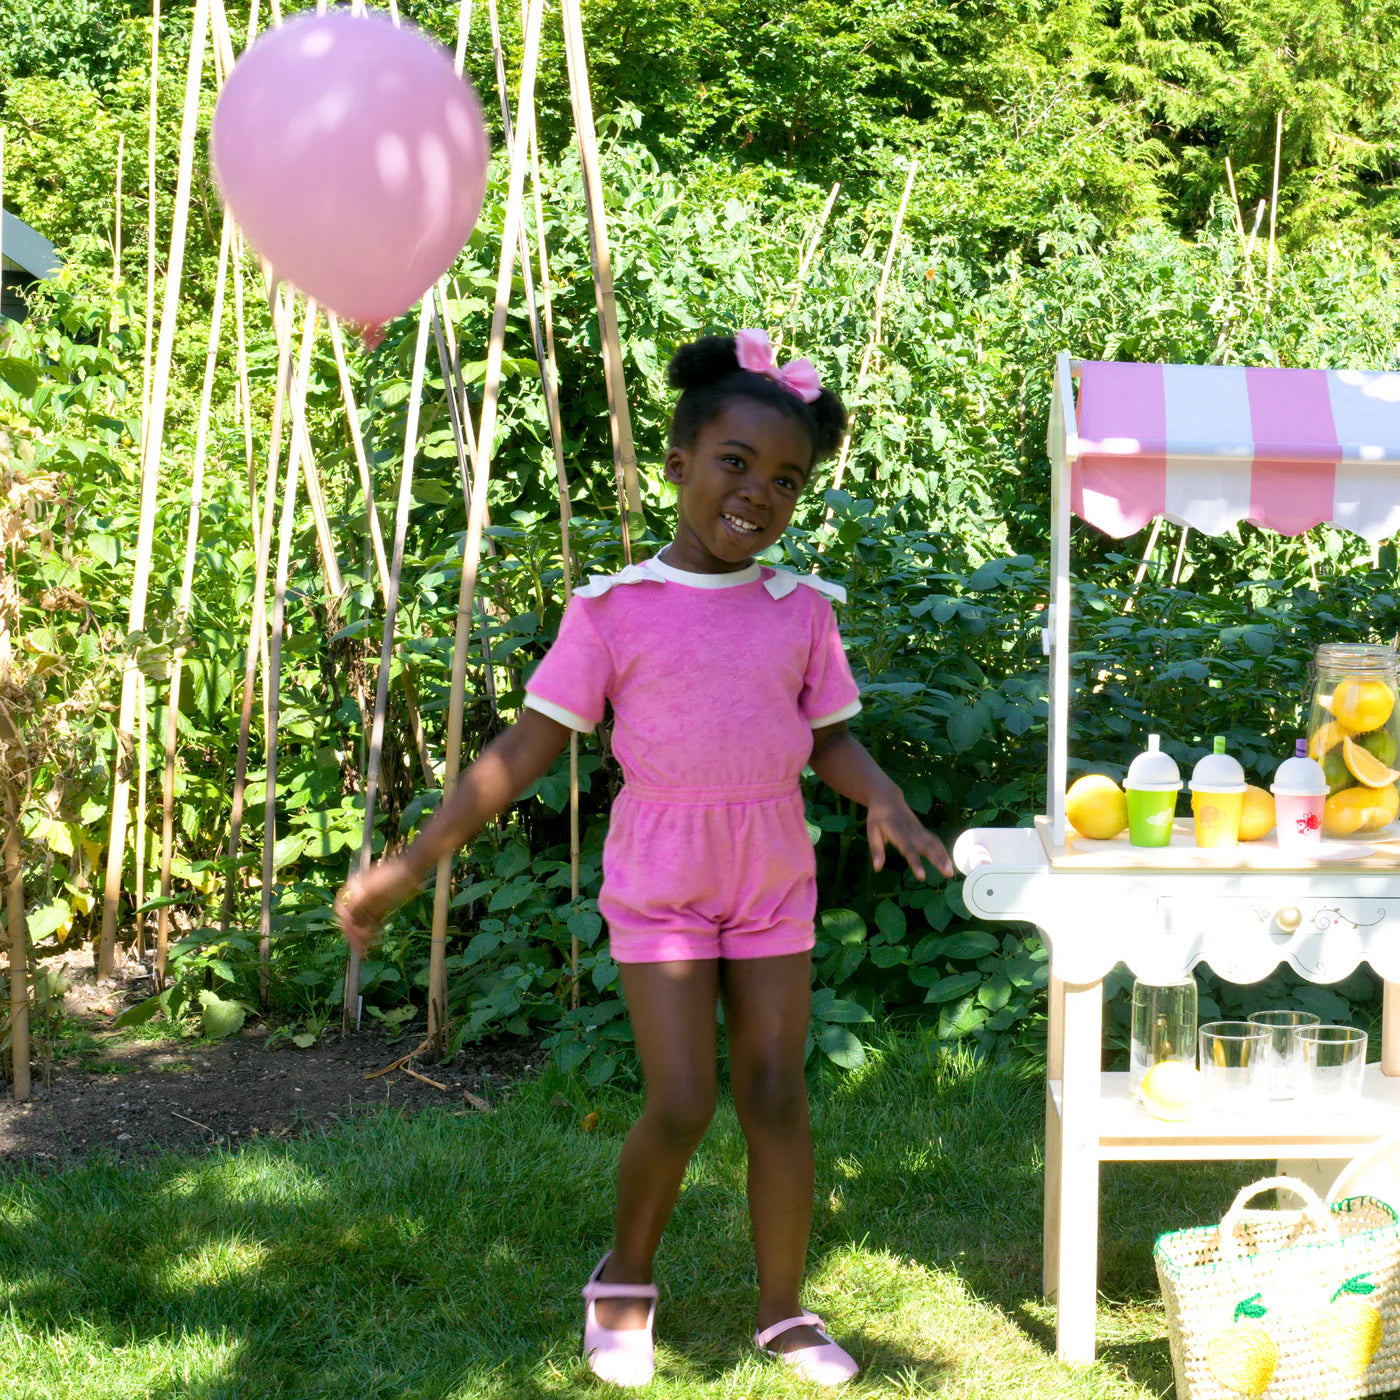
x: 1299, y: 817
x: 1300, y: 795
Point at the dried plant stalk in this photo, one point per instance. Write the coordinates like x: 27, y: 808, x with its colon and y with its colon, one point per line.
x: 19, y: 950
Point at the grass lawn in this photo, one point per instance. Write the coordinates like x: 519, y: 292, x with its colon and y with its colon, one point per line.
x: 441, y: 1256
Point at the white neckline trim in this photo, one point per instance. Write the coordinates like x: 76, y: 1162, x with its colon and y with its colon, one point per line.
x: 691, y: 580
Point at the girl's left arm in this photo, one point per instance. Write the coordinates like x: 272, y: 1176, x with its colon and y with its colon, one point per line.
x: 842, y: 763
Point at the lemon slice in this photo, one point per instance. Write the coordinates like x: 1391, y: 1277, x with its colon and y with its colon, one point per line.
x: 1366, y: 767
x: 1325, y: 738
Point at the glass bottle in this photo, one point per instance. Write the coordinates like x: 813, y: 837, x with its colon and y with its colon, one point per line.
x: 1163, y: 1027
x: 1354, y: 733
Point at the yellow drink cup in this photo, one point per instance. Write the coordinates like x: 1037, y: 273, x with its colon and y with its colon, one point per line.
x: 1217, y: 798
x: 1217, y: 817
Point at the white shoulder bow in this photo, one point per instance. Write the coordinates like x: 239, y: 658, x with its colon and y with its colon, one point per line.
x: 785, y: 580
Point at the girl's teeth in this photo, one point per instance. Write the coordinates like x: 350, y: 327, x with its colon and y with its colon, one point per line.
x: 741, y: 524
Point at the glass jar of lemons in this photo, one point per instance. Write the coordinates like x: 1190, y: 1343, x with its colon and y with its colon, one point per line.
x: 1354, y: 733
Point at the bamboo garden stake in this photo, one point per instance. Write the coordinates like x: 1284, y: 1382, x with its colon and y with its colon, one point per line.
x: 117, y: 220
x: 138, y: 822
x: 150, y: 480
x: 274, y: 675
x: 619, y: 414
x: 182, y: 607
x: 152, y: 125
x: 803, y: 267
x: 381, y: 564
x: 550, y: 366
x: 257, y: 623
x: 1239, y: 225
x: 350, y: 1010
x: 471, y: 555
x: 1273, y: 213
x: 866, y: 358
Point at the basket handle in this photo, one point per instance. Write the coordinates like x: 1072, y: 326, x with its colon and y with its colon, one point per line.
x: 1315, y: 1212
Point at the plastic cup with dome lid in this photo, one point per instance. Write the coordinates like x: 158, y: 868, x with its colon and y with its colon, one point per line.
x: 1217, y: 797
x: 1151, y: 787
x: 1300, y: 795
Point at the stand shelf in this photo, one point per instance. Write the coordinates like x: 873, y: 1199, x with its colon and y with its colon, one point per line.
x: 1244, y: 922
x: 1274, y: 1131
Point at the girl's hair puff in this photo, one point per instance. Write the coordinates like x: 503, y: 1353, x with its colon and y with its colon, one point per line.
x: 708, y: 374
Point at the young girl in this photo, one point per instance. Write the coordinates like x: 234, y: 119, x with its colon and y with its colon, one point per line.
x: 726, y: 679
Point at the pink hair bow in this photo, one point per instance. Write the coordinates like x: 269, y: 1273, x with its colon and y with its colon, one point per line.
x: 755, y: 354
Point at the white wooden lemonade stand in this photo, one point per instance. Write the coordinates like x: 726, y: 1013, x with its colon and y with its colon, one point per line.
x: 1207, y: 446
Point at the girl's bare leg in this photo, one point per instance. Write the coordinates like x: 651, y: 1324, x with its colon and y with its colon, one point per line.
x: 767, y: 1007
x: 672, y: 1006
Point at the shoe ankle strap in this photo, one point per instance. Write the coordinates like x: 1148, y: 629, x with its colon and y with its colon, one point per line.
x: 595, y: 1289
x: 806, y: 1319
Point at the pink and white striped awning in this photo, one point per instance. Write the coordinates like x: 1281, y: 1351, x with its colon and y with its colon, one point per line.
x: 1211, y: 445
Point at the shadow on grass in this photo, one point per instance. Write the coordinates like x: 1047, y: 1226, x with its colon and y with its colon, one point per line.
x: 440, y: 1258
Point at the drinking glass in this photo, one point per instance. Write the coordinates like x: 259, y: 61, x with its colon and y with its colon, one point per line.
x: 1163, y: 1028
x: 1232, y: 1057
x: 1333, y: 1062
x: 1281, y: 1058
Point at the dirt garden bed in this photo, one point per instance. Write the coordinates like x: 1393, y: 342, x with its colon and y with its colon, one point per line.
x: 126, y: 1093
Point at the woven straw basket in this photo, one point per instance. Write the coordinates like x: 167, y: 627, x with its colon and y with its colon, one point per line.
x: 1285, y: 1304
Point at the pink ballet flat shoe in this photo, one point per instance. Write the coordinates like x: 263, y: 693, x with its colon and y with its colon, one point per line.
x: 622, y: 1356
x: 826, y: 1363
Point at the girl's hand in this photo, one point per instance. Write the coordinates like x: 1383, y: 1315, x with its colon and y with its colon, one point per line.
x: 889, y: 820
x: 366, y: 899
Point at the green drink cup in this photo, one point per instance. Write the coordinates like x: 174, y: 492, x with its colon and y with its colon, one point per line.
x: 1151, y: 787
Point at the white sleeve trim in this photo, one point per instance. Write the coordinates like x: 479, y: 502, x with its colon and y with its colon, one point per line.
x: 559, y: 714
x: 845, y: 712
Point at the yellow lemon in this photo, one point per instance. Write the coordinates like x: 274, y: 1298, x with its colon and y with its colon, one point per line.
x: 1172, y: 1090
x: 1243, y: 1358
x: 1257, y: 814
x: 1366, y: 767
x: 1360, y: 810
x: 1096, y: 807
x: 1349, y: 1335
x: 1362, y: 705
x: 1345, y: 812
x: 1386, y: 808
x: 1325, y: 738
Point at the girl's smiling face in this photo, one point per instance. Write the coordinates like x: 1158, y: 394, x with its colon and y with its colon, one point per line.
x: 737, y: 486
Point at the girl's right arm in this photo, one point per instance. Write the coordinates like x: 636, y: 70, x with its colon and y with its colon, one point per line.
x: 509, y: 764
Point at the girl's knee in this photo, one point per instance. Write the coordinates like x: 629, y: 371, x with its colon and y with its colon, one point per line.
x: 680, y: 1113
x: 771, y: 1101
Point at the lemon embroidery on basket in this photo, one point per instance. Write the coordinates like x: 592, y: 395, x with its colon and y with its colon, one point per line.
x: 1244, y: 1356
x: 1349, y: 1334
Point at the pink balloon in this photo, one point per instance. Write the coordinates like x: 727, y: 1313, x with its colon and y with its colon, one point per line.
x: 354, y: 159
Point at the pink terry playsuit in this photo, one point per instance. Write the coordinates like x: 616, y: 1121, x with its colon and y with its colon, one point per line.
x: 716, y: 683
